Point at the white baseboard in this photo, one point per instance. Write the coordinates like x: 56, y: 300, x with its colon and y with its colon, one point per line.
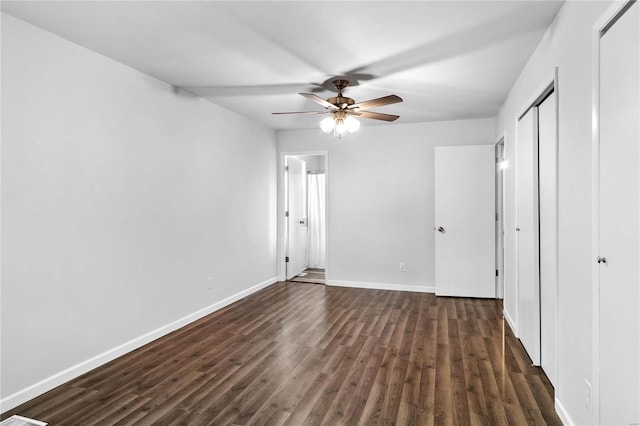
x: 77, y: 370
x: 562, y: 413
x: 511, y: 322
x: 383, y: 286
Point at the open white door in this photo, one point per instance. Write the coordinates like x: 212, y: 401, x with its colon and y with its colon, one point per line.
x: 465, y: 220
x: 296, y: 217
x: 618, y: 210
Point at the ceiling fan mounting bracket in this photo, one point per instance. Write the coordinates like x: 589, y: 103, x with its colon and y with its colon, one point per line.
x: 339, y: 85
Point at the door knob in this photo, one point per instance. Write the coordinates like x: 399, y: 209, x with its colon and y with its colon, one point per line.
x: 440, y: 229
x: 602, y: 259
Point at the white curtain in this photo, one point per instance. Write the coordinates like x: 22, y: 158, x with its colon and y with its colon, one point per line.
x: 316, y: 237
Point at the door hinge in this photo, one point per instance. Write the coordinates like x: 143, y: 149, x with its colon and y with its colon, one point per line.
x: 497, y: 273
x: 286, y: 168
x: 286, y: 259
x: 286, y: 214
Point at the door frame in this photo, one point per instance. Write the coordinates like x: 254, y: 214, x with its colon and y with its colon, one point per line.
x: 500, y: 209
x: 609, y: 17
x: 547, y: 87
x: 281, y: 222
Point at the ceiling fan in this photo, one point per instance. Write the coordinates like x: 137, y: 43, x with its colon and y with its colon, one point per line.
x: 343, y: 109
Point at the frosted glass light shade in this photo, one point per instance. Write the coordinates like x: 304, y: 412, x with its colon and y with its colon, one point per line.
x: 327, y: 124
x: 341, y: 128
x: 351, y: 124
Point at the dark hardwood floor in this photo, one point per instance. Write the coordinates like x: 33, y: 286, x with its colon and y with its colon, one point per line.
x: 303, y: 354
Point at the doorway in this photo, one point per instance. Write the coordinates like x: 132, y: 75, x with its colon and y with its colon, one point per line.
x: 304, y: 236
x: 537, y: 229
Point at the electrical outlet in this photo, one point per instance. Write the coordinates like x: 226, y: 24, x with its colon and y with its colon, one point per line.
x: 210, y: 283
x: 587, y: 395
x: 403, y: 267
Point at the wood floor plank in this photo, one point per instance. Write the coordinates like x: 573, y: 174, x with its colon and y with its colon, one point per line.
x: 251, y: 399
x: 332, y: 387
x: 297, y: 353
x: 290, y: 392
x: 338, y: 410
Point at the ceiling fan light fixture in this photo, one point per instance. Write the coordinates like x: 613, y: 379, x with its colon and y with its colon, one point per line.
x: 327, y: 124
x: 341, y: 110
x: 341, y: 128
x: 352, y: 124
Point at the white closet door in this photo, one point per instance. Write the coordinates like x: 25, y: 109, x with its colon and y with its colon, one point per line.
x: 528, y: 235
x: 465, y: 220
x: 547, y: 149
x: 619, y: 215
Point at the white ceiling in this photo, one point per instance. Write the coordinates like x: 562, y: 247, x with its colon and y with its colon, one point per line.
x: 448, y: 60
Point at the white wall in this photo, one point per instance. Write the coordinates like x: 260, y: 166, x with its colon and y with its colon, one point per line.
x: 380, y: 208
x: 120, y: 197
x: 567, y: 45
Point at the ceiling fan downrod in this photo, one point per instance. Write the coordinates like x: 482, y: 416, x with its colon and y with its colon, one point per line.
x: 341, y: 101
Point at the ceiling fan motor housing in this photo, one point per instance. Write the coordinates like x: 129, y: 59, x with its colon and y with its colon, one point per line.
x: 341, y: 101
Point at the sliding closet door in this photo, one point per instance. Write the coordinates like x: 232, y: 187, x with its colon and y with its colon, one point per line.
x: 528, y: 234
x: 548, y: 181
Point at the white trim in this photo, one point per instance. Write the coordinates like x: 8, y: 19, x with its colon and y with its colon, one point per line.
x: 516, y: 234
x: 556, y: 322
x: 383, y: 286
x: 1, y: 263
x: 510, y: 322
x: 26, y: 420
x: 598, y: 26
x: 502, y: 203
x: 562, y: 412
x: 70, y: 373
x: 549, y: 80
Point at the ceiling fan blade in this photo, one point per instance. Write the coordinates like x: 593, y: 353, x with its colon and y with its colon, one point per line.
x: 317, y: 99
x: 375, y: 115
x: 373, y: 103
x: 301, y: 112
